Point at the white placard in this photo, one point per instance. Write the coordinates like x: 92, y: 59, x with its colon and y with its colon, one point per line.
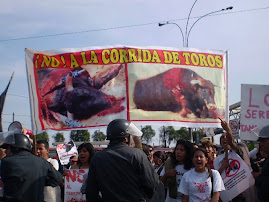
x: 65, y: 151
x: 254, y: 110
x: 236, y: 178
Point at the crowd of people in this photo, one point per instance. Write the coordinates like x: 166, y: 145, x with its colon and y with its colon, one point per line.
x: 128, y: 170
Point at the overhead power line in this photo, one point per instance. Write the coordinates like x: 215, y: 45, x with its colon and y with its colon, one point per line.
x: 18, y: 95
x: 17, y: 115
x: 126, y: 26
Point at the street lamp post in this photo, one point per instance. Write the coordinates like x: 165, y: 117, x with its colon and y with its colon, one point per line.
x: 166, y: 23
x: 187, y: 32
x: 187, y: 36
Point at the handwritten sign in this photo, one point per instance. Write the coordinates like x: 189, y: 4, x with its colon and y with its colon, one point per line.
x: 73, y: 182
x: 254, y: 110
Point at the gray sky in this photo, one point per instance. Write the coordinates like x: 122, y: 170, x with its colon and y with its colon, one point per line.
x: 242, y: 31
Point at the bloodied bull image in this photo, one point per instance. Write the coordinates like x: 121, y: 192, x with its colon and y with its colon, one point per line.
x: 177, y: 90
x: 69, y: 96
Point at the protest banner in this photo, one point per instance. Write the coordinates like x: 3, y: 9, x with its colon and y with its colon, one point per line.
x: 254, y: 110
x: 236, y: 178
x: 72, y: 184
x: 65, y: 151
x: 89, y: 87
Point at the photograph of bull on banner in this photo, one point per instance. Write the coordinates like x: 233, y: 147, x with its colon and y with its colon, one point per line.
x: 88, y: 87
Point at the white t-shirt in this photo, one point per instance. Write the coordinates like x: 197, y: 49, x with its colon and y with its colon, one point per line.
x: 198, y: 186
x: 52, y: 194
x: 180, y: 172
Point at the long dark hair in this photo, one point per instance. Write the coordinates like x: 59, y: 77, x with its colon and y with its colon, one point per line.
x: 88, y: 146
x: 160, y: 155
x: 206, y: 155
x: 189, y: 153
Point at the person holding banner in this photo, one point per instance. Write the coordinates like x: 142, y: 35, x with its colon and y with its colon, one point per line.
x: 201, y: 183
x: 121, y: 172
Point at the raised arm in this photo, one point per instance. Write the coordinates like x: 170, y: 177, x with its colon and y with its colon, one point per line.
x: 229, y: 135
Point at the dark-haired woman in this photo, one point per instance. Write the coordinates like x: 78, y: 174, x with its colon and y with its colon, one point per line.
x: 159, y: 158
x: 85, y: 153
x: 175, y: 167
x: 201, y: 183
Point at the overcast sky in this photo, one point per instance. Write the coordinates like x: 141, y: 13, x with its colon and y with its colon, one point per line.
x: 47, y: 25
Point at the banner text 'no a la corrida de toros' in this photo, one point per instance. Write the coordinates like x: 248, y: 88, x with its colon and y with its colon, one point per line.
x: 89, y: 87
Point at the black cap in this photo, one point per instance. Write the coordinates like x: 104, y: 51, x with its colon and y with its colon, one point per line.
x: 264, y: 133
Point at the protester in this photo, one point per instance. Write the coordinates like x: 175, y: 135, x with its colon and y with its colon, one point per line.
x: 151, y: 151
x: 51, y: 194
x: 159, y: 158
x: 262, y: 180
x: 85, y: 153
x: 24, y: 175
x: 201, y: 183
x: 208, y: 146
x: 257, y: 162
x: 121, y: 172
x: 169, y: 153
x: 221, y: 163
x: 175, y: 167
x: 148, y: 151
x: 217, y: 151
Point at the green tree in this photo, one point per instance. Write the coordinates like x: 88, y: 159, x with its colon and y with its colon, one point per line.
x: 199, y: 133
x: 59, y: 137
x: 42, y: 136
x: 183, y: 133
x: 80, y: 135
x: 148, y: 133
x: 167, y: 134
x: 98, y: 136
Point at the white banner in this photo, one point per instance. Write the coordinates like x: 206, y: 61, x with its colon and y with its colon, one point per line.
x: 72, y: 184
x: 236, y: 178
x: 65, y: 151
x: 89, y: 87
x: 254, y: 110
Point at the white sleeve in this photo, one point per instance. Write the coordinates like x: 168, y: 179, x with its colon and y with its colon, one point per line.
x: 54, y: 163
x: 252, y: 153
x: 184, y: 186
x: 216, y: 163
x: 217, y: 181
